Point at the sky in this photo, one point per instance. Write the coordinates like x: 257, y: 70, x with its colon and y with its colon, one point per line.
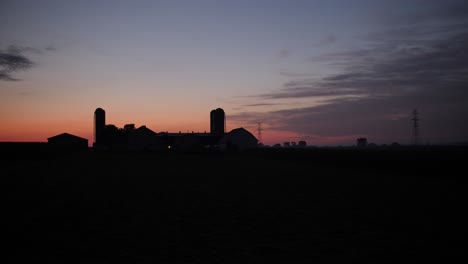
x: 327, y: 72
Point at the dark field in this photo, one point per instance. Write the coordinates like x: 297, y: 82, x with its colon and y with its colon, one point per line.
x: 295, y: 206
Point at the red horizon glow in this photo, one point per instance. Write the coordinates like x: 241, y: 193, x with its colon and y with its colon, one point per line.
x: 40, y: 133
x: 41, y: 128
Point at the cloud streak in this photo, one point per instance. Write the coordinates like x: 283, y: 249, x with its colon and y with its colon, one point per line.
x: 379, y: 85
x: 13, y: 60
x: 431, y: 67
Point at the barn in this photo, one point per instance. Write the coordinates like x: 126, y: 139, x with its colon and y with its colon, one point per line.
x: 67, y: 141
x: 238, y: 139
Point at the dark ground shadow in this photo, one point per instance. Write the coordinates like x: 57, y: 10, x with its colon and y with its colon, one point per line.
x: 376, y: 206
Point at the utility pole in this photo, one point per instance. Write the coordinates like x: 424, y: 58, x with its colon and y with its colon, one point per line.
x: 415, y: 120
x: 259, y: 131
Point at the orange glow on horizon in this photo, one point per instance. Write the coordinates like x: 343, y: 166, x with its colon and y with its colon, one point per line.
x: 42, y: 126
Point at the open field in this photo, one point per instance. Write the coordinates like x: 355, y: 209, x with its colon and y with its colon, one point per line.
x: 288, y: 206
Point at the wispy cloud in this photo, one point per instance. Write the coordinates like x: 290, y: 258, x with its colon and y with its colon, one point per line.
x: 379, y: 85
x: 12, y: 60
x: 431, y: 66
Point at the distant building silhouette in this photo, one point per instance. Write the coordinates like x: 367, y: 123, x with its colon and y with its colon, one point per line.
x: 217, y: 122
x: 99, y: 125
x: 238, y: 139
x: 143, y: 138
x: 67, y: 141
x: 361, y: 142
x: 129, y: 127
x: 415, y: 119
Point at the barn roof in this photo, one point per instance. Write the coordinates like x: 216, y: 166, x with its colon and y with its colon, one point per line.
x: 242, y: 132
x: 144, y: 129
x: 66, y: 136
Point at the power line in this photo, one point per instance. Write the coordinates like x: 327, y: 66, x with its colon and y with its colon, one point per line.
x: 259, y: 131
x: 415, y: 120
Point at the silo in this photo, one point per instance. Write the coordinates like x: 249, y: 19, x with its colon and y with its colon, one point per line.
x: 99, y: 125
x: 217, y: 122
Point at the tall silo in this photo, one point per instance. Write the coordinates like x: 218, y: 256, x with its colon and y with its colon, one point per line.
x: 217, y: 122
x: 99, y: 125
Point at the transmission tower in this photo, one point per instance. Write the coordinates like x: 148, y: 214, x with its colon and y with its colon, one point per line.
x: 259, y: 131
x: 415, y: 120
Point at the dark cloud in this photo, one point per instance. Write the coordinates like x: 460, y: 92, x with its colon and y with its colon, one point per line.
x: 377, y: 89
x: 12, y: 60
x: 15, y: 58
x: 431, y: 66
x: 302, y: 92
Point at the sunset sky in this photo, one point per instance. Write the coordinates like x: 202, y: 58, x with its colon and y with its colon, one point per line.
x: 326, y: 72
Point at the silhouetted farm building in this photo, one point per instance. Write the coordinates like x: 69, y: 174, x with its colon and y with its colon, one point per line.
x: 238, y: 139
x: 361, y: 142
x: 99, y: 124
x: 217, y: 121
x: 67, y: 141
x: 143, y: 138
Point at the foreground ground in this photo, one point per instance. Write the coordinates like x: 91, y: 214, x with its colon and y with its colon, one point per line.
x: 373, y: 206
